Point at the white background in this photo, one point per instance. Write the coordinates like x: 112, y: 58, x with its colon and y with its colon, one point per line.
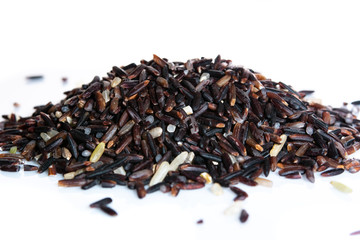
x: 307, y: 44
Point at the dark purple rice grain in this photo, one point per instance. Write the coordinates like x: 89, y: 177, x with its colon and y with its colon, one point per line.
x: 140, y: 190
x: 140, y: 175
x: 117, y: 178
x: 72, y: 182
x: 43, y: 167
x: 291, y: 170
x: 105, y: 183
x: 119, y: 72
x: 310, y: 175
x: 195, y: 176
x: 332, y: 172
x: 102, y: 202
x: 252, y: 161
x: 28, y: 167
x: 210, y: 156
x: 240, y: 194
x: 294, y: 175
x: 90, y: 184
x: 200, y: 221
x: 47, y: 119
x: 247, y: 181
x: 155, y: 188
x: 137, y: 89
x: 189, y: 186
x: 108, y: 210
x: 244, y: 216
x: 10, y: 168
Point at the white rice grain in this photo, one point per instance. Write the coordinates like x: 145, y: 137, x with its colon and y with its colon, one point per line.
x: 160, y: 174
x: 180, y: 159
x: 156, y: 132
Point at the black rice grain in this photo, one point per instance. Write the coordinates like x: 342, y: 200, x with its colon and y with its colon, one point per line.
x: 101, y: 202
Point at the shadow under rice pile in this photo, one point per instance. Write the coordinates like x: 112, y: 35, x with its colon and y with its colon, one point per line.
x: 174, y: 126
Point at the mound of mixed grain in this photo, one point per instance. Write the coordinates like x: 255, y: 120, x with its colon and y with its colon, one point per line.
x: 172, y: 126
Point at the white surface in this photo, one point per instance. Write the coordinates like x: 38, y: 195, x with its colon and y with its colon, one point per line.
x: 310, y: 45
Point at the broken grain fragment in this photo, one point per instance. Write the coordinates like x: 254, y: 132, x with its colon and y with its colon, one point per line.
x: 217, y: 189
x: 13, y: 150
x: 244, y: 216
x: 264, y: 182
x: 207, y: 177
x: 277, y: 147
x: 233, y: 209
x: 156, y: 132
